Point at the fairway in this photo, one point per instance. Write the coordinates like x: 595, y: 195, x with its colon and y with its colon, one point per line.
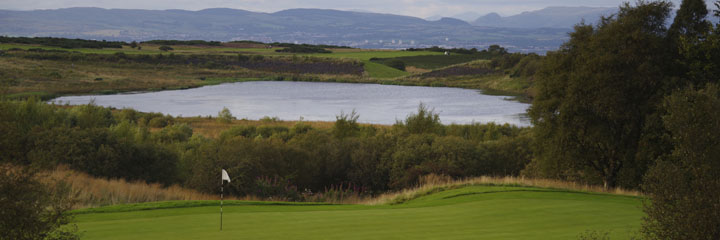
x: 475, y: 212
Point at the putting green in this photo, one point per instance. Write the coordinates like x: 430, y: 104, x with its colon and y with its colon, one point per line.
x: 475, y: 212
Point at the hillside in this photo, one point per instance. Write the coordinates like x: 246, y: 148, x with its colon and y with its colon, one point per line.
x: 551, y: 17
x: 478, y: 212
x: 314, y: 26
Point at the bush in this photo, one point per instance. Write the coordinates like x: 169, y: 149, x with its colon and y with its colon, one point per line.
x: 165, y: 48
x: 346, y: 125
x: 224, y: 116
x: 30, y: 209
x: 425, y: 121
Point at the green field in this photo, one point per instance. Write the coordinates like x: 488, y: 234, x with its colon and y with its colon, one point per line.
x: 475, y: 212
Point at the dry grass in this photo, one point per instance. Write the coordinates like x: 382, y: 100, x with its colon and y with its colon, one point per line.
x: 432, y: 183
x: 93, y: 192
x: 416, y: 70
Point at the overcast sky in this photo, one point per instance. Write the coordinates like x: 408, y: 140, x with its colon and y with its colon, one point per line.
x: 418, y: 8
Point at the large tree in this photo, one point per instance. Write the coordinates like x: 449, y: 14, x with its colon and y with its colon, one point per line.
x: 690, y: 20
x: 596, y: 92
x: 683, y: 188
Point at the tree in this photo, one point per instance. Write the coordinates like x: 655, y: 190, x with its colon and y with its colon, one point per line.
x: 30, y: 209
x: 224, y: 116
x: 595, y: 94
x: 690, y: 20
x: 683, y: 188
x: 690, y: 38
x: 346, y: 125
x: 425, y: 121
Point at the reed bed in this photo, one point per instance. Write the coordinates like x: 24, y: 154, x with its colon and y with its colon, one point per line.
x: 90, y: 191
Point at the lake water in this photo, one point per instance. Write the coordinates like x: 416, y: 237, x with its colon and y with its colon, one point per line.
x: 381, y: 104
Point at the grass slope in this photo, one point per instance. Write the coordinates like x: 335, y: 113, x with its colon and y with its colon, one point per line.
x: 475, y: 212
x: 433, y: 61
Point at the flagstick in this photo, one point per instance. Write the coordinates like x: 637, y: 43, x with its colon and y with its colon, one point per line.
x: 221, y: 201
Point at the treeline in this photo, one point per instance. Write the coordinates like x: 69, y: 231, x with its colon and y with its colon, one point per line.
x: 298, y: 65
x: 632, y: 102
x: 184, y: 42
x: 303, y: 49
x: 267, y: 160
x: 62, y: 42
x: 492, y: 50
x: 290, y: 45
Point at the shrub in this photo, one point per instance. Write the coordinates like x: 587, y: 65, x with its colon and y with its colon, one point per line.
x: 346, y: 125
x: 30, y: 209
x: 224, y: 116
x: 425, y: 121
x: 165, y: 48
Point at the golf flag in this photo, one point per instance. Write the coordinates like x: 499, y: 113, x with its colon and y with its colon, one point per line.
x: 225, y: 176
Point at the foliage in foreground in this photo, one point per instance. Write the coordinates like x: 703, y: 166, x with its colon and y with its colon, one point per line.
x: 684, y: 187
x: 31, y: 209
x: 611, y: 109
x: 597, y: 114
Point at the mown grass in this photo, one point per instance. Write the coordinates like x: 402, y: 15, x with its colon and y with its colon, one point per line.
x: 471, y: 212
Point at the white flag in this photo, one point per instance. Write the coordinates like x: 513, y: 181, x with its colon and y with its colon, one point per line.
x: 225, y: 176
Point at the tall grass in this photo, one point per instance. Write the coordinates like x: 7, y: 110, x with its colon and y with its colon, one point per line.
x: 435, y: 183
x: 90, y: 191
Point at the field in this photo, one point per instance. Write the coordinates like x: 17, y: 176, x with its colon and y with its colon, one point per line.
x: 473, y: 212
x: 48, y: 72
x: 376, y: 71
x: 433, y: 61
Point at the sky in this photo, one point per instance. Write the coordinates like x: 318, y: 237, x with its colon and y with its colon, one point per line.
x: 417, y: 8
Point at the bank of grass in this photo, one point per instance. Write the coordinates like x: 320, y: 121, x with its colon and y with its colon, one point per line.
x: 433, y: 61
x: 431, y: 184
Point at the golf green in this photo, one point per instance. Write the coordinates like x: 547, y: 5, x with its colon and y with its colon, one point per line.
x: 474, y: 212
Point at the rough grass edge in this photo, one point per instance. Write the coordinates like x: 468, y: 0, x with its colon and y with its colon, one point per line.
x: 435, y: 183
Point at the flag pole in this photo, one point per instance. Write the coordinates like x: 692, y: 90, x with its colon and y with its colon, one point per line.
x: 223, y: 177
x: 222, y: 184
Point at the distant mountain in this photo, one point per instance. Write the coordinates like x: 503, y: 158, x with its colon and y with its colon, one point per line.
x: 452, y: 22
x: 467, y: 16
x: 492, y: 19
x: 433, y: 18
x: 314, y: 26
x: 551, y: 17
